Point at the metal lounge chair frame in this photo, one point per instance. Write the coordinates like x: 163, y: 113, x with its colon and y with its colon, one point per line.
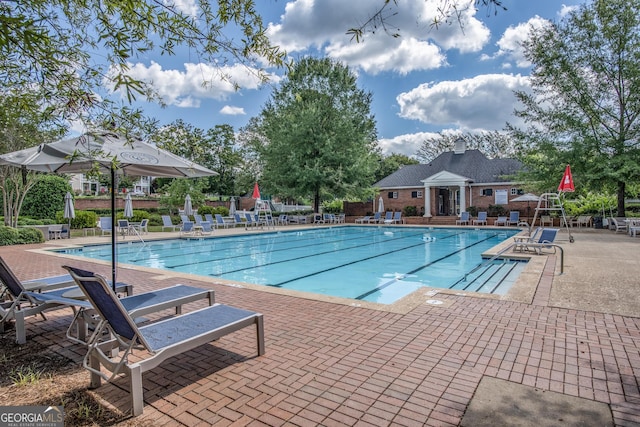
x: 167, y: 223
x: 187, y: 331
x: 35, y: 297
x: 541, y: 239
x: 465, y: 217
x: 482, y: 218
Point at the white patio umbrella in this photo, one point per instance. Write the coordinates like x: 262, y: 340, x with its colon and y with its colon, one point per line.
x: 109, y: 153
x: 69, y: 210
x: 128, y: 206
x: 188, y: 208
x: 380, y: 205
x: 232, y: 206
x: 528, y: 197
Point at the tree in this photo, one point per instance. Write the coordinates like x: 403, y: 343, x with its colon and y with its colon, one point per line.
x: 53, y: 45
x: 492, y: 144
x: 214, y: 149
x: 585, y: 106
x: 320, y: 134
x: 46, y: 197
x: 175, y: 192
x: 391, y: 163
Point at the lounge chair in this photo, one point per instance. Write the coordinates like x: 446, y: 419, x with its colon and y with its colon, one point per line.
x: 237, y: 220
x: 388, y: 217
x: 105, y: 224
x: 185, y: 218
x: 36, y: 296
x: 482, y: 219
x: 514, y: 218
x: 219, y: 222
x: 251, y: 221
x: 206, y: 228
x: 198, y: 219
x: 618, y: 224
x: 376, y: 218
x: 634, y: 227
x: 363, y: 219
x: 501, y: 220
x: 464, y: 218
x: 283, y: 219
x: 117, y: 334
x: 167, y: 223
x: 187, y: 228
x: 397, y: 218
x: 541, y: 239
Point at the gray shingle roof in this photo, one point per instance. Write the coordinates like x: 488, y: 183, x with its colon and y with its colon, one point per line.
x: 471, y: 164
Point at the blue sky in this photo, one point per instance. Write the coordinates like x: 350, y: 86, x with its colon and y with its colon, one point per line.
x: 427, y: 81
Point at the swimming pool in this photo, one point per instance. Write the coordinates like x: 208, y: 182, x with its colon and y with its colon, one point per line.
x: 377, y: 264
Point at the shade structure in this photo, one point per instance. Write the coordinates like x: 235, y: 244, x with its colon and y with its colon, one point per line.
x: 69, y: 210
x: 256, y: 191
x: 380, y: 204
x: 106, y: 152
x: 566, y: 185
x: 188, y: 207
x: 128, y: 206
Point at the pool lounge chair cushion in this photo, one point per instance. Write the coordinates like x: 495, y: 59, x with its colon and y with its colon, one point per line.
x: 162, y: 340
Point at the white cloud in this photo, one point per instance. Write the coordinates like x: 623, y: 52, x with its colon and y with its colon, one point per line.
x: 482, y: 102
x: 188, y: 7
x: 186, y: 88
x: 407, y: 144
x: 321, y: 25
x: 232, y: 111
x: 510, y: 44
x: 566, y: 10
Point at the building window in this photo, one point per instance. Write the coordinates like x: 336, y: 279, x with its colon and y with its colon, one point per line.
x: 392, y: 195
x: 517, y: 191
x: 487, y: 191
x: 416, y: 194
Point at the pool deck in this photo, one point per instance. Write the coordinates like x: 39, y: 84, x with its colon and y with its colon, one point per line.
x: 564, y: 349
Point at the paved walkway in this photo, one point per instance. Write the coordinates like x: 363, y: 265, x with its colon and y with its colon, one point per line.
x: 330, y: 363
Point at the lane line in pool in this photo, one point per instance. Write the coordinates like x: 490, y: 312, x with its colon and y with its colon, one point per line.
x: 316, y: 254
x: 357, y: 261
x: 404, y: 275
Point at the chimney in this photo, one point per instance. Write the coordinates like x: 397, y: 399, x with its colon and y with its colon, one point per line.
x: 459, y: 146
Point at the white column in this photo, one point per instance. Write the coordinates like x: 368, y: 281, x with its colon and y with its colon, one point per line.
x: 463, y: 198
x: 427, y: 201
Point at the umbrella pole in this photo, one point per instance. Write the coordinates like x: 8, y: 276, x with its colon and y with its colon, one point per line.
x: 113, y: 228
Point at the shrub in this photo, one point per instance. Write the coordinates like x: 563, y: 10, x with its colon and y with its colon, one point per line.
x: 83, y: 219
x: 45, y: 197
x: 13, y: 236
x: 202, y: 210
x: 410, y: 211
x: 473, y: 211
x: 496, y: 210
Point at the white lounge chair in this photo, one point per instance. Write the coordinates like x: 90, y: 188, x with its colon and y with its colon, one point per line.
x: 167, y: 223
x: 464, y: 218
x: 482, y: 218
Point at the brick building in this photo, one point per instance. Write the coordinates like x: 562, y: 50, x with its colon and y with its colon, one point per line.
x: 451, y: 183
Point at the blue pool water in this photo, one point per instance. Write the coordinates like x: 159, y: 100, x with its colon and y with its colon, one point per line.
x: 378, y: 264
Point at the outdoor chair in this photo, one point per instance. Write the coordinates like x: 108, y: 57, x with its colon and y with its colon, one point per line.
x: 388, y: 217
x: 143, y: 227
x: 618, y: 224
x: 464, y: 218
x: 501, y: 220
x: 482, y: 218
x: 117, y: 335
x: 363, y: 219
x: 106, y: 225
x: 282, y: 219
x: 546, y: 220
x: 542, y: 238
x: 375, y: 219
x: 23, y: 299
x: 218, y: 221
x: 167, y: 223
x: 123, y: 227
x: 514, y: 218
x: 187, y: 228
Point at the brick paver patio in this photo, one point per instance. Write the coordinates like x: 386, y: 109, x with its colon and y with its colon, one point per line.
x: 334, y: 364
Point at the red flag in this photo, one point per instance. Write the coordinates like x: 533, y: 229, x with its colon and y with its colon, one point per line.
x: 256, y: 191
x: 566, y: 185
